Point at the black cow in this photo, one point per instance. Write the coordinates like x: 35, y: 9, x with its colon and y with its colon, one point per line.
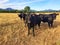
x: 29, y: 20
x: 48, y: 18
x: 33, y: 21
x: 22, y: 15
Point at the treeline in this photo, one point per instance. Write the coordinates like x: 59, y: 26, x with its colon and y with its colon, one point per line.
x: 19, y: 11
x: 15, y: 11
x: 10, y: 11
x: 26, y: 9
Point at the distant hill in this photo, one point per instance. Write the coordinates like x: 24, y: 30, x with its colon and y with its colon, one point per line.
x: 33, y: 11
x: 50, y: 10
x: 9, y: 9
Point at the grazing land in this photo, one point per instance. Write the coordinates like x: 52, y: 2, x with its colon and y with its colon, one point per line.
x: 14, y: 32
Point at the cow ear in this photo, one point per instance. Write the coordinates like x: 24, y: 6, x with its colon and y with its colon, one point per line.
x: 56, y: 13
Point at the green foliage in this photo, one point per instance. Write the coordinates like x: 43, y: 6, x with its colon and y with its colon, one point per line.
x: 27, y: 9
x: 11, y: 11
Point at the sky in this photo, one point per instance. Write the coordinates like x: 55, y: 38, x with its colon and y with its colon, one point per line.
x: 34, y: 4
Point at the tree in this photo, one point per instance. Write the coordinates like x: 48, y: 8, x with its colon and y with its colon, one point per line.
x: 27, y: 9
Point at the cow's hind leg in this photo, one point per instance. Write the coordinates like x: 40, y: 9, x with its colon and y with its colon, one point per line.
x: 39, y: 24
x: 49, y: 25
x: 52, y: 24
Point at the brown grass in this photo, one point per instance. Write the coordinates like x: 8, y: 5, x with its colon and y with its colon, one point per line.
x: 14, y: 32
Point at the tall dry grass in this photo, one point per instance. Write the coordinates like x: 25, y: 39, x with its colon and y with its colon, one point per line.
x: 14, y: 32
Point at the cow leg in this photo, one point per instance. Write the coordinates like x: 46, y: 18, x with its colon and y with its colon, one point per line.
x: 49, y: 24
x: 33, y: 31
x: 52, y: 24
x: 28, y: 32
x: 39, y: 24
x: 29, y: 27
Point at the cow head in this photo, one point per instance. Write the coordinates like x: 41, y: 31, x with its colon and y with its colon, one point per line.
x: 20, y: 15
x: 54, y: 15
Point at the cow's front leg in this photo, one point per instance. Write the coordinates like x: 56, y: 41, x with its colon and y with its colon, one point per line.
x: 28, y: 32
x: 29, y: 27
x: 33, y: 31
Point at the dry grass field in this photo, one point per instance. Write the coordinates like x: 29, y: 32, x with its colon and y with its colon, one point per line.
x: 14, y: 32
